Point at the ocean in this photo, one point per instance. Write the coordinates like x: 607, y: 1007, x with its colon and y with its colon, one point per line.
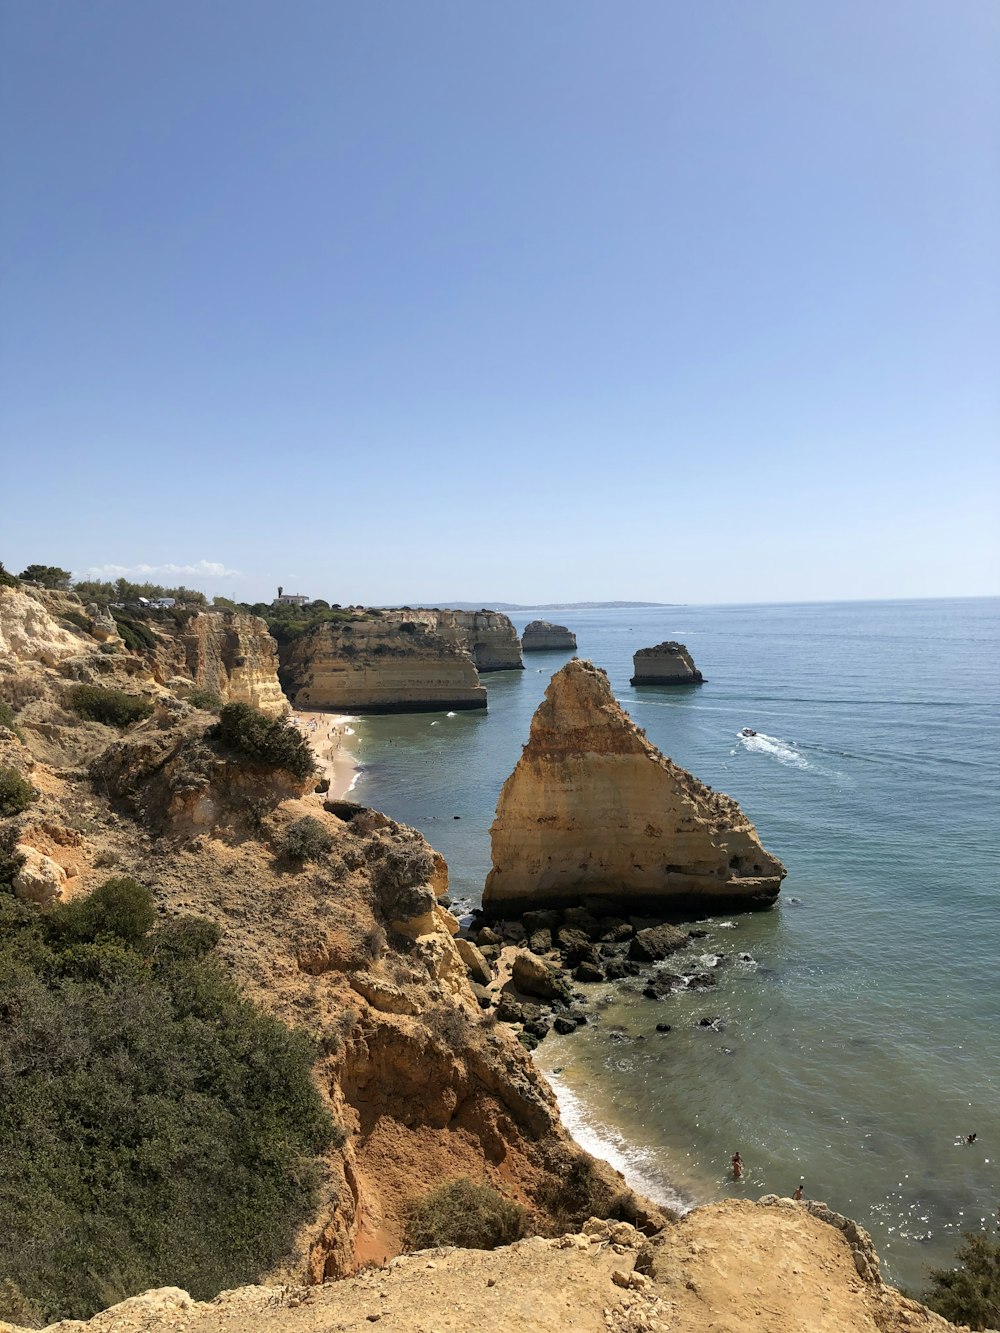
x: 858, y: 1044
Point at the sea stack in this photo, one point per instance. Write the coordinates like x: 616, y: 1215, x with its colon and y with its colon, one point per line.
x: 541, y: 636
x: 669, y: 663
x: 593, y: 814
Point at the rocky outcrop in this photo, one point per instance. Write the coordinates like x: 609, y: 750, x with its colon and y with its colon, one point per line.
x: 379, y: 665
x: 488, y: 637
x: 593, y: 813
x: 669, y: 663
x: 771, y: 1267
x: 541, y: 636
x: 31, y: 632
x: 230, y: 653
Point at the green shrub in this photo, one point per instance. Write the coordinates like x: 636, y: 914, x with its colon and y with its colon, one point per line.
x: 200, y: 697
x: 78, y: 619
x: 970, y: 1293
x: 11, y: 860
x: 138, y: 638
x: 305, y: 840
x: 15, y: 1307
x: 7, y: 579
x: 113, y: 707
x: 266, y: 740
x: 157, y: 1129
x: 7, y: 719
x: 185, y: 937
x: 119, y: 907
x: 16, y: 794
x: 475, y: 1217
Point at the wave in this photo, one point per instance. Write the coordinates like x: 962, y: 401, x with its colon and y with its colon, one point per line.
x: 639, y: 1168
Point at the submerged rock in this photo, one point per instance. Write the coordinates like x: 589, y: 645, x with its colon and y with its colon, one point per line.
x: 594, y: 814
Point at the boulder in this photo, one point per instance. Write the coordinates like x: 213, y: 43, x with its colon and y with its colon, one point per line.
x: 540, y: 921
x: 655, y: 943
x: 669, y: 663
x: 540, y: 941
x: 533, y: 977
x: 564, y: 1025
x: 593, y: 815
x: 588, y: 972
x: 475, y: 964
x: 40, y: 879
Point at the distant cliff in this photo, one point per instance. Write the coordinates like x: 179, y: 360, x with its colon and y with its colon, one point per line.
x: 488, y: 637
x: 594, y: 814
x: 669, y: 663
x: 227, y: 652
x: 385, y: 664
x: 541, y: 636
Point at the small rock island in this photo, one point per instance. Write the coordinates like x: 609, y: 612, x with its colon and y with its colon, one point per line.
x: 541, y: 636
x: 593, y: 814
x: 669, y: 663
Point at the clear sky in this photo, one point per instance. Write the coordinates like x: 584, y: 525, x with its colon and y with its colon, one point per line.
x: 405, y: 300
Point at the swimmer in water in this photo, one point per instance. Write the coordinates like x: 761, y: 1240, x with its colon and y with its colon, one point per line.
x: 737, y: 1164
x: 971, y: 1138
x: 797, y: 1196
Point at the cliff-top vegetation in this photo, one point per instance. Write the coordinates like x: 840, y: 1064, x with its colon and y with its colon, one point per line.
x: 157, y: 1129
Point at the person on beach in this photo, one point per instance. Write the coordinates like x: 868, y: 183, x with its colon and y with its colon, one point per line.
x: 737, y: 1166
x: 797, y: 1196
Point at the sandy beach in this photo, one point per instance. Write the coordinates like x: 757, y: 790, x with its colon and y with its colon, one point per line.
x: 334, y: 742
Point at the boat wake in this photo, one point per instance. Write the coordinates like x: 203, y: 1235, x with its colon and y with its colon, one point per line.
x: 776, y: 748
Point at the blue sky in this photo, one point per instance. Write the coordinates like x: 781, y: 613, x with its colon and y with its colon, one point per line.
x: 404, y: 300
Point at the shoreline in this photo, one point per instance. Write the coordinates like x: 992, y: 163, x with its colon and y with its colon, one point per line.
x: 334, y: 743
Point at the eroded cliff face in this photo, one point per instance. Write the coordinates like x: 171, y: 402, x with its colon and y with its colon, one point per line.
x: 228, y: 652
x: 488, y: 637
x: 669, y: 663
x: 594, y: 814
x: 541, y: 636
x: 354, y: 946
x: 387, y: 664
x: 33, y: 627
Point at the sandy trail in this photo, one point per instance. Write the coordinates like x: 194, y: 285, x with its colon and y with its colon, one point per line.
x: 334, y: 742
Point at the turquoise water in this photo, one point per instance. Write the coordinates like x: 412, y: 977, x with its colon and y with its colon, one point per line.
x: 863, y: 1039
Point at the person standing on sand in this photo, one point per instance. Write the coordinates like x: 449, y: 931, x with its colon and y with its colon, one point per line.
x: 737, y: 1166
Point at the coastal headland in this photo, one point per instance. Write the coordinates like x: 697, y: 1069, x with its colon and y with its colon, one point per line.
x: 115, y: 741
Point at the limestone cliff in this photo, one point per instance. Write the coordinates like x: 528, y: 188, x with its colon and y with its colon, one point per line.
x: 593, y: 813
x: 385, y: 664
x: 541, y: 636
x: 354, y: 946
x: 230, y: 653
x: 669, y: 663
x: 34, y: 628
x: 488, y: 637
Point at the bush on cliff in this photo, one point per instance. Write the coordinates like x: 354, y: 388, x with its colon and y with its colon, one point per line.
x: 474, y: 1217
x: 157, y: 1129
x: 970, y: 1293
x: 305, y: 840
x: 114, y: 708
x: 16, y: 794
x: 136, y: 636
x: 271, y: 741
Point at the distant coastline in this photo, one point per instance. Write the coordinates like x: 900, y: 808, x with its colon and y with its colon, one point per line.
x: 543, y: 606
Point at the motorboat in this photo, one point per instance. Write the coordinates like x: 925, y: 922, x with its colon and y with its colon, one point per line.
x: 748, y: 731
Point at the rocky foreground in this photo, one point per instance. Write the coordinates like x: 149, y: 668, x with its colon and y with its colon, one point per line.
x: 773, y: 1267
